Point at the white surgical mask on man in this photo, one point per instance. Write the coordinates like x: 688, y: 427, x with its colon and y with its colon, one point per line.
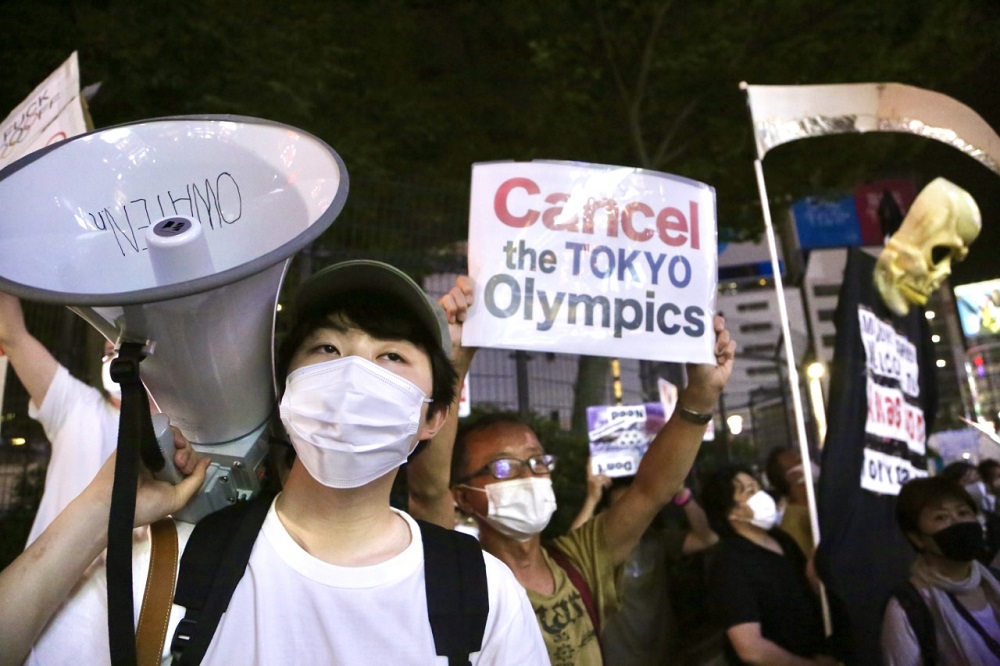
x: 765, y: 511
x: 519, y: 508
x: 798, y: 474
x: 350, y: 421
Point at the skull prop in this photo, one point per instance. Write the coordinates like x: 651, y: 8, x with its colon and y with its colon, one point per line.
x: 941, y: 224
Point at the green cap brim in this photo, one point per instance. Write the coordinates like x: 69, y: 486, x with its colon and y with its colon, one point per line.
x: 367, y: 275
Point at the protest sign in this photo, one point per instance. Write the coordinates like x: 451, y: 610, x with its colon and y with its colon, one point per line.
x: 51, y: 113
x: 592, y: 259
x: 620, y: 434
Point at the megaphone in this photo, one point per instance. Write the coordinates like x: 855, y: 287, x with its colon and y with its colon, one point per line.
x: 176, y: 233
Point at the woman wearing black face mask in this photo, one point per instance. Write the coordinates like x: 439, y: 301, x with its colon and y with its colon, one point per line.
x: 950, y: 613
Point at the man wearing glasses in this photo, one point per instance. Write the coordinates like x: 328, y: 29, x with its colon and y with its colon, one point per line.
x: 501, y: 475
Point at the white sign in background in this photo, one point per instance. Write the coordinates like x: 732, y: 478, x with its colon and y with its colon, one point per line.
x: 592, y: 259
x: 894, y: 414
x: 51, y: 113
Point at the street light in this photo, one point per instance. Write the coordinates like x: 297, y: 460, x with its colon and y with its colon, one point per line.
x: 814, y: 373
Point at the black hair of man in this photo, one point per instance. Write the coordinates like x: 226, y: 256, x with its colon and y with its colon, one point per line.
x: 988, y: 468
x: 718, y: 497
x: 383, y: 316
x: 460, y: 455
x: 957, y: 470
x: 922, y: 492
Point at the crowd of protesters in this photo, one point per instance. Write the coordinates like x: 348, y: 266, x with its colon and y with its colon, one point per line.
x: 606, y: 591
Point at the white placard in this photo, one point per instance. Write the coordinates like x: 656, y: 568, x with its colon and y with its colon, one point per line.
x: 885, y: 473
x: 592, y: 259
x: 51, y: 113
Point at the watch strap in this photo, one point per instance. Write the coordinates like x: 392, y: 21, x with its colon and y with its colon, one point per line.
x: 692, y: 416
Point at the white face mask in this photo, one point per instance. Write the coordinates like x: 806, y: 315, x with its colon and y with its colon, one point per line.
x: 350, y: 421
x: 113, y: 388
x: 519, y: 508
x: 799, y: 475
x: 765, y: 511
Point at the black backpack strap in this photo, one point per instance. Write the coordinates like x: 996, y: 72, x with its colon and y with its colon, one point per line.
x: 213, y: 563
x: 457, y: 594
x: 919, y: 617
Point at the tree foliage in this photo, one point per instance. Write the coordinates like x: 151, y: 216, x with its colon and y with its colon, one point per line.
x: 416, y: 91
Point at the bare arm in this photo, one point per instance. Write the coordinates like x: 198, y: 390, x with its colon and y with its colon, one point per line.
x: 701, y: 535
x: 32, y: 362
x: 428, y: 475
x: 755, y: 649
x: 671, y: 453
x: 596, y: 485
x: 40, y: 579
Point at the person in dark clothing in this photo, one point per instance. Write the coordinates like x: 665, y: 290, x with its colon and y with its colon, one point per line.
x: 967, y: 475
x: 758, y: 584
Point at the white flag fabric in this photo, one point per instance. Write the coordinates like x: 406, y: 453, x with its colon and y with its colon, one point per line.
x: 785, y: 113
x: 51, y: 113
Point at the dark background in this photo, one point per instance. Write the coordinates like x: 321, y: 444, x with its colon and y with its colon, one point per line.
x: 416, y: 91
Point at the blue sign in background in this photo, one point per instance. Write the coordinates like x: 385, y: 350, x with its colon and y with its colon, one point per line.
x: 827, y: 222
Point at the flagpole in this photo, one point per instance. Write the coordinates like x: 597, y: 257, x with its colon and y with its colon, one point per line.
x: 793, y: 377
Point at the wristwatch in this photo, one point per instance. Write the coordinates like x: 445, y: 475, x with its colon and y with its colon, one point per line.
x: 692, y: 416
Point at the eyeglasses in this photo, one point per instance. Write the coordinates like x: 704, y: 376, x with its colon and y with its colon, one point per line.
x: 509, y: 468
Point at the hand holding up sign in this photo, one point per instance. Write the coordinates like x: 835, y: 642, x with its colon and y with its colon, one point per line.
x: 427, y: 475
x: 456, y: 304
x: 705, y: 382
x: 672, y: 452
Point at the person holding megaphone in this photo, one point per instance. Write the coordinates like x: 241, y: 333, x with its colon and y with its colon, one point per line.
x: 334, y: 574
x: 79, y: 420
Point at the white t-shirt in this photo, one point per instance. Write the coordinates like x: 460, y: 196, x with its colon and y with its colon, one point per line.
x: 293, y: 608
x: 82, y: 426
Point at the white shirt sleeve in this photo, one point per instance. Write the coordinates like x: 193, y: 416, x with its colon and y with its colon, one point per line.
x: 513, y: 637
x: 899, y: 642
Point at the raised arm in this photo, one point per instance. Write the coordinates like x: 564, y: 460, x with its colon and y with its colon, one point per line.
x: 32, y: 362
x: 34, y: 585
x: 701, y: 535
x: 427, y: 475
x: 596, y: 485
x: 671, y: 453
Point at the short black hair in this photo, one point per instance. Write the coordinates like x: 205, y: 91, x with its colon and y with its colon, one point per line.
x: 988, y: 469
x: 382, y: 316
x: 956, y: 470
x: 460, y: 451
x: 921, y: 492
x: 718, y: 497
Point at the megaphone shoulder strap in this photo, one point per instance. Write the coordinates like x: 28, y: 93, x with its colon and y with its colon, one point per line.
x: 158, y: 595
x: 135, y: 436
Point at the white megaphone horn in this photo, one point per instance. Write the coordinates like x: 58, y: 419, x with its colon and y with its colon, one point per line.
x: 176, y: 233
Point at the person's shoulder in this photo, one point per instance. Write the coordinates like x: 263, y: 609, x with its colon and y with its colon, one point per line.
x: 586, y: 536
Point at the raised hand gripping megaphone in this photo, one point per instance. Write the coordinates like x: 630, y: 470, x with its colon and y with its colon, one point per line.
x: 175, y: 234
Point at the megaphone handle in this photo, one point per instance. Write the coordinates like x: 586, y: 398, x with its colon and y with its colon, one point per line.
x: 165, y: 440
